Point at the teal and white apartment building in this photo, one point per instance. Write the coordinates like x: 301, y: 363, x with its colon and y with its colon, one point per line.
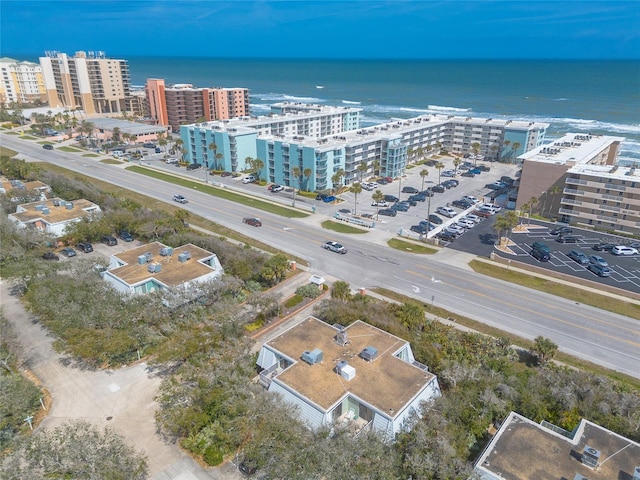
x: 321, y: 140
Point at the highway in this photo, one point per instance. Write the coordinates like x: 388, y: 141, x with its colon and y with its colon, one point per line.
x: 598, y: 336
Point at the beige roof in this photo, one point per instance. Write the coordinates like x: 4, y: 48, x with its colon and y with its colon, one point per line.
x: 57, y: 213
x: 386, y: 383
x: 172, y: 272
x: 524, y: 450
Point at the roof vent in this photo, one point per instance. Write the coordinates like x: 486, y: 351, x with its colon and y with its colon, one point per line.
x: 590, y: 456
x: 369, y: 354
x: 342, y: 337
x: 312, y: 357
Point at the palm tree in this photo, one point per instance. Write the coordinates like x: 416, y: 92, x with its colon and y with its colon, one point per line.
x: 526, y: 207
x: 506, y: 143
x: 377, y: 197
x: 424, y: 173
x: 456, y: 163
x: 258, y: 165
x: 337, y: 178
x: 356, y: 188
x: 307, y: 172
x: 494, y: 149
x: 439, y: 166
x: 219, y: 157
x: 248, y: 162
x: 475, y: 146
x: 295, y: 176
x: 116, y: 134
x: 543, y: 349
x: 362, y: 168
x: 213, y: 147
x: 505, y: 223
x: 162, y: 141
x: 514, y: 148
x: 532, y: 203
x: 376, y: 168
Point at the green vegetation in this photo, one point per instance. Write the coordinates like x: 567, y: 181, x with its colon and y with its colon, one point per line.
x: 111, y: 161
x: 410, y: 247
x: 26, y: 137
x: 90, y: 155
x: 221, y: 193
x: 293, y: 301
x: 68, y: 149
x: 341, y: 227
x: 7, y: 152
x: 570, y: 292
x: 12, y: 133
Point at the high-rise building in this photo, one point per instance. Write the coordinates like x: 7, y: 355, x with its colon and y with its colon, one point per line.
x: 20, y: 81
x: 183, y: 104
x: 89, y: 81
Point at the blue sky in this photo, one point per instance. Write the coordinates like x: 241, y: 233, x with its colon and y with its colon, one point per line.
x: 408, y: 29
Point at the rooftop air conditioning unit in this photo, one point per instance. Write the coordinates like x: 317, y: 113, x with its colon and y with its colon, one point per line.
x: 69, y: 205
x: 142, y: 259
x: 312, y: 357
x: 166, y: 251
x: 369, y: 354
x: 345, y: 370
x: 590, y: 457
x: 148, y: 256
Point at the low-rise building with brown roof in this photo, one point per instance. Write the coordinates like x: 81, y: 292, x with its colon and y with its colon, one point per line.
x: 337, y: 374
x: 525, y: 450
x: 54, y: 215
x: 156, y: 267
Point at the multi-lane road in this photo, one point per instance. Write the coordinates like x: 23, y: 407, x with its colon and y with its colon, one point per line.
x: 601, y: 337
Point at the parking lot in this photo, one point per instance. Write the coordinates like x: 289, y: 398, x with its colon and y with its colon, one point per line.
x: 625, y: 270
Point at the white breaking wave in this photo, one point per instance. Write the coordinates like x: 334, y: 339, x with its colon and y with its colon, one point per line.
x: 561, y: 99
x: 439, y: 108
x: 319, y: 86
x: 280, y: 97
x: 414, y: 110
x: 348, y: 102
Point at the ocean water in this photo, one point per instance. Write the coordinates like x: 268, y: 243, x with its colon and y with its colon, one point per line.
x: 600, y: 97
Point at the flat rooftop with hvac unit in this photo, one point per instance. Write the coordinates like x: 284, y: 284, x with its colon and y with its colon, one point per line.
x: 338, y: 374
x: 155, y: 266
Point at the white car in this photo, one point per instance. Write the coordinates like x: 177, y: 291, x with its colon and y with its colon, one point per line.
x: 465, y: 223
x: 180, y: 199
x: 624, y: 250
x: 473, y: 218
x: 380, y: 204
x: 491, y: 206
x: 249, y: 179
x: 455, y: 229
x: 471, y: 198
x: 446, y: 211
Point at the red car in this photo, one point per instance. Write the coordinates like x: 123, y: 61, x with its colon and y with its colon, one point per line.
x: 254, y: 222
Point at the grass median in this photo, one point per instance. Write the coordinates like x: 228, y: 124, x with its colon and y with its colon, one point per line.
x: 341, y: 227
x: 220, y: 193
x: 410, y: 247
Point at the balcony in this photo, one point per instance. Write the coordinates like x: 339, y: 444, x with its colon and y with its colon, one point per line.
x: 569, y: 201
x: 572, y: 191
x: 575, y: 181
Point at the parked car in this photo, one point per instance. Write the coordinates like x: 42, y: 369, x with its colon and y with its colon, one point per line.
x: 249, y: 179
x: 68, y: 252
x: 410, y: 202
x: 448, y: 173
x: 329, y: 199
x: 560, y: 230
x: 193, y: 166
x: 475, y: 171
x: 473, y: 218
x: 483, y: 168
x: 335, y: 247
x: 409, y: 190
x: 321, y: 196
x: 446, y: 211
x: 491, y: 206
x: 624, y: 250
x: 433, y: 218
x: 567, y: 239
x: 543, y: 247
x: 463, y: 222
x: 447, y: 236
x: 578, y: 256
x: 427, y: 192
x: 431, y: 163
x: 382, y: 203
x: 468, y: 173
x: 598, y: 260
x: 85, y: 247
x: 47, y: 146
x: 418, y: 197
x: 463, y: 204
x: 507, y: 180
x: 275, y: 188
x: 421, y: 229
x: 400, y: 206
x: 471, y: 198
x: 438, y: 188
x: 452, y: 181
x: 149, y: 145
x: 540, y: 255
x: 387, y: 212
x: 109, y: 240
x: 600, y: 270
x: 126, y: 236
x: 158, y: 150
x: 254, y: 222
x: 603, y: 246
x: 180, y: 199
x: 391, y: 199
x: 50, y: 256
x: 456, y: 229
x: 484, y: 212
x: 427, y: 224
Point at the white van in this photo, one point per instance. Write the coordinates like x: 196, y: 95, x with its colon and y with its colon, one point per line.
x: 171, y: 161
x: 249, y: 179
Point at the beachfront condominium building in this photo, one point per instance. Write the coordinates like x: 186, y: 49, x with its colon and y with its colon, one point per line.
x: 577, y: 180
x: 324, y: 141
x: 183, y: 104
x: 20, y: 82
x: 89, y: 81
